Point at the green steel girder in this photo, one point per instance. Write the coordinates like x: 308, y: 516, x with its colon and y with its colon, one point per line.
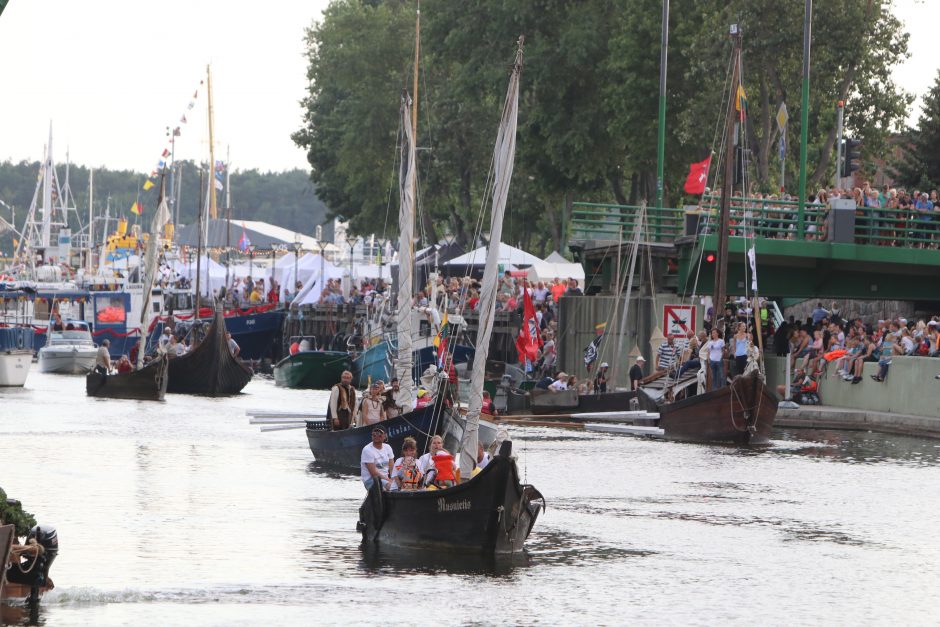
x: 801, y: 269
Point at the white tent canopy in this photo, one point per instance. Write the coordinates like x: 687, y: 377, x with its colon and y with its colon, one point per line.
x: 306, y: 266
x: 556, y: 257
x: 313, y: 286
x: 212, y: 274
x: 545, y: 271
x: 508, y: 255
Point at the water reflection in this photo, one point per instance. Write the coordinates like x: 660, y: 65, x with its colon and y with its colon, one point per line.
x: 859, y: 447
x: 375, y: 560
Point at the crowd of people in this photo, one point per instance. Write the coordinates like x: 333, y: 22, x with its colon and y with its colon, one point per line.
x: 435, y: 470
x: 885, y: 216
x: 828, y: 343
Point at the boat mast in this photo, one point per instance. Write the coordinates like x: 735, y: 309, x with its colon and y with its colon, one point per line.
x: 47, y: 198
x: 724, y: 208
x: 91, y: 219
x: 414, y: 91
x: 213, y: 211
x: 503, y: 159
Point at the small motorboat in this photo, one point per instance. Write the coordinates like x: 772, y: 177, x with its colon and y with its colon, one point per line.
x: 16, y: 355
x: 69, y: 350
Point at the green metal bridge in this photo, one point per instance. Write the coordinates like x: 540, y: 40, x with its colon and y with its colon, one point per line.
x: 814, y: 252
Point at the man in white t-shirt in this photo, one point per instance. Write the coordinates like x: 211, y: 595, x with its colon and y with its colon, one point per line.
x: 376, y: 460
x: 560, y: 383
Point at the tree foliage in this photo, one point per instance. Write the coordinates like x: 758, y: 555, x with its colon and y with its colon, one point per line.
x: 589, y: 101
x: 918, y: 165
x: 286, y: 199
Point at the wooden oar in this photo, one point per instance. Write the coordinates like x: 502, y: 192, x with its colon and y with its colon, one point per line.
x: 282, y: 427
x: 285, y: 420
x: 285, y: 417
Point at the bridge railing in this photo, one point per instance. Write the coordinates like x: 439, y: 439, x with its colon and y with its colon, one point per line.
x: 768, y: 219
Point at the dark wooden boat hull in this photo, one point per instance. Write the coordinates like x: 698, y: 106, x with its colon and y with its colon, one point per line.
x: 343, y: 449
x: 742, y: 412
x: 312, y: 370
x: 566, y: 402
x: 209, y: 369
x: 147, y: 384
x: 492, y: 514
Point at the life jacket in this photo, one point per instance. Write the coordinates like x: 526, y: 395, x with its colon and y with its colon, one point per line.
x: 444, y: 464
x: 410, y: 477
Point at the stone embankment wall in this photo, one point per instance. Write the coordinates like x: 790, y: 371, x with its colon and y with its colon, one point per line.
x: 911, y: 387
x: 868, y: 310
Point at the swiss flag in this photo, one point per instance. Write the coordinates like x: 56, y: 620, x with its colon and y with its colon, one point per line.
x: 698, y: 176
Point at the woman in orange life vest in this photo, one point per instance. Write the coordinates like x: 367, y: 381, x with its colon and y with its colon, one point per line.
x: 438, y: 466
x: 489, y: 408
x: 405, y: 473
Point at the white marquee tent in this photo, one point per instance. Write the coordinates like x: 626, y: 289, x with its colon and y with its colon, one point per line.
x: 508, y: 256
x: 313, y: 286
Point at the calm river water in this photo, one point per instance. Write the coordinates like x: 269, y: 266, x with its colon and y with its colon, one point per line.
x: 181, y: 513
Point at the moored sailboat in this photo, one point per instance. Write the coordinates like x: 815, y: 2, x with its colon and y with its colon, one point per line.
x: 744, y: 410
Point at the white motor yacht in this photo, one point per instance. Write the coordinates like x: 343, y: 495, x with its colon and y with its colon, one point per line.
x: 69, y: 350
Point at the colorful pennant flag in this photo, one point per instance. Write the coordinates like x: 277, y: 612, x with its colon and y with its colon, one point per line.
x: 148, y: 184
x: 136, y: 208
x: 166, y: 152
x: 529, y: 339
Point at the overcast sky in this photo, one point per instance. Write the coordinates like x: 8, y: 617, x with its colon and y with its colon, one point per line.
x: 111, y: 75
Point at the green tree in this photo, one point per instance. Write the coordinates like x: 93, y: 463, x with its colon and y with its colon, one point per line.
x: 918, y: 164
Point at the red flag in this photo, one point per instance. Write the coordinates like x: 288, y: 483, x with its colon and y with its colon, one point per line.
x: 165, y: 153
x: 529, y: 339
x: 698, y: 176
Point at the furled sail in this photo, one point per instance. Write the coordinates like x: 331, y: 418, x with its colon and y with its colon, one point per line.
x: 160, y: 218
x: 503, y: 158
x: 406, y: 220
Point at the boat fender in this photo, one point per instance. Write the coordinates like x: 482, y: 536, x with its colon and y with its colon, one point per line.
x: 19, y: 340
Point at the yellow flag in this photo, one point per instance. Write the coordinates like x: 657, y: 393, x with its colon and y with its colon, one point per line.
x: 740, y: 99
x: 136, y: 208
x: 148, y: 185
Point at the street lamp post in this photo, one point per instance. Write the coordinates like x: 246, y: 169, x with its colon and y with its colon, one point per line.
x: 352, y: 244
x: 298, y: 244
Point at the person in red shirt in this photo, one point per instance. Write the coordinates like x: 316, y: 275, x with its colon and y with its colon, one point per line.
x: 558, y: 289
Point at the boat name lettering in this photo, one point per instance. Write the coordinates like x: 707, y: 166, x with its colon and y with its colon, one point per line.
x: 249, y: 322
x: 454, y: 506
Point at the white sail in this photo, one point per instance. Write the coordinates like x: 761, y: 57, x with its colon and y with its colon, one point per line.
x: 503, y: 159
x: 406, y: 220
x: 160, y: 218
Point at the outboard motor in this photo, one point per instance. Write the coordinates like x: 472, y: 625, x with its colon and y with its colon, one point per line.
x: 47, y: 537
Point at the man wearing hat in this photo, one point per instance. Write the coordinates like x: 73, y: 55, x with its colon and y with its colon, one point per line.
x: 600, y: 379
x: 560, y: 383
x: 376, y: 460
x: 636, y: 372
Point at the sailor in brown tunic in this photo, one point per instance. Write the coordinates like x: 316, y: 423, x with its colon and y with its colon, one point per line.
x: 343, y: 406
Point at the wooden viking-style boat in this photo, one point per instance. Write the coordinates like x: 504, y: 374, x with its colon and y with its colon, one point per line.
x: 209, y: 368
x: 146, y: 384
x: 744, y: 410
x: 491, y: 514
x: 343, y: 448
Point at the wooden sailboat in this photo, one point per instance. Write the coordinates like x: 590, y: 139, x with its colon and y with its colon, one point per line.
x: 145, y: 382
x: 744, y: 410
x: 209, y: 368
x: 491, y: 513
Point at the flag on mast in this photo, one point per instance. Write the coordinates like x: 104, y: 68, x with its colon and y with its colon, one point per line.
x: 698, y: 176
x: 243, y: 241
x: 529, y: 339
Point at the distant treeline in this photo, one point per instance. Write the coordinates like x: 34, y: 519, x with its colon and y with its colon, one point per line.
x: 286, y: 199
